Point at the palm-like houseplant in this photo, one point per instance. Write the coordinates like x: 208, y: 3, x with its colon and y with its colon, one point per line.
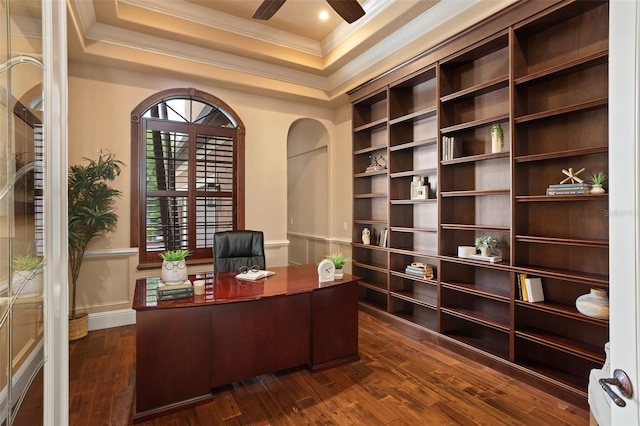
x: 91, y: 210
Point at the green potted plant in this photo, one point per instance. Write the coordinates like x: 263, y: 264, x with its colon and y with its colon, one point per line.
x: 338, y: 260
x: 597, y: 180
x: 485, y: 243
x: 497, y: 138
x: 91, y: 212
x: 174, y: 267
x: 27, y: 275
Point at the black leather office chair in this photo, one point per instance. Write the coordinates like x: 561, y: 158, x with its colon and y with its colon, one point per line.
x: 234, y: 249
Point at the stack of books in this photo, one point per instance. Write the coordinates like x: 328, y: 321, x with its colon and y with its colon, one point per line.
x: 415, y: 270
x: 568, y: 188
x: 490, y: 259
x: 178, y: 291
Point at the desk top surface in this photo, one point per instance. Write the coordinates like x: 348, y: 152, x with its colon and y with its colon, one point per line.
x: 224, y: 287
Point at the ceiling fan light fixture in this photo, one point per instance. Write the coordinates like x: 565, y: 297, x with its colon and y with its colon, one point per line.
x: 349, y: 10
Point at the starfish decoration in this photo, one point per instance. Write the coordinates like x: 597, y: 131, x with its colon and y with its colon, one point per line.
x: 573, y: 177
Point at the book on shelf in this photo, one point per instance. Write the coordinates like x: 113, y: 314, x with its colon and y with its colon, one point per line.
x: 569, y: 185
x: 253, y: 276
x: 490, y: 259
x: 534, y: 290
x: 568, y: 191
x: 383, y: 237
x: 518, y: 288
x: 414, y: 272
x: 411, y: 270
x: 451, y: 147
x: 523, y: 286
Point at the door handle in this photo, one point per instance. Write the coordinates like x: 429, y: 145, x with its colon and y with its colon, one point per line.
x: 621, y: 380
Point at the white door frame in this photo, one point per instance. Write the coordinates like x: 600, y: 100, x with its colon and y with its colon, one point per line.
x: 624, y: 223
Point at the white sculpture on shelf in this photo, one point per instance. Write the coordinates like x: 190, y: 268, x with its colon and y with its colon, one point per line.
x: 366, y: 236
x: 419, y: 191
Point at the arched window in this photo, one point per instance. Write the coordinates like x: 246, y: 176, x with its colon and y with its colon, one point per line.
x: 187, y: 174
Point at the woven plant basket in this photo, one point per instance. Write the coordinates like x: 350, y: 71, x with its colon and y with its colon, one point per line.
x: 78, y: 328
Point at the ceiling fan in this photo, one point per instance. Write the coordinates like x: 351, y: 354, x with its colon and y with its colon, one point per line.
x: 349, y: 10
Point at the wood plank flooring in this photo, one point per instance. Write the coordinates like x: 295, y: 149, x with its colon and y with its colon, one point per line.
x: 398, y: 381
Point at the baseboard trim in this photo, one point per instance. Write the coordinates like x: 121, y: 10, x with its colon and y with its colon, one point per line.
x: 111, y: 319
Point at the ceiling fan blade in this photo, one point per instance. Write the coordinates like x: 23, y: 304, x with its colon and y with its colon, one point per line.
x: 267, y: 9
x: 350, y: 10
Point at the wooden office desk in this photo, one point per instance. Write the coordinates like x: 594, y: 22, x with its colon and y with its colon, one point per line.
x: 236, y: 330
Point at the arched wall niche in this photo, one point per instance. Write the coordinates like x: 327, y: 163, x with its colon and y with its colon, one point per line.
x: 307, y: 191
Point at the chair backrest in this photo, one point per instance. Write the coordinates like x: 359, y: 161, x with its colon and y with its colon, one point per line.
x: 234, y: 249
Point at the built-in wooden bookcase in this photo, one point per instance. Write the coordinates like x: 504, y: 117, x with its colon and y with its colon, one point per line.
x: 543, y: 76
x: 560, y: 80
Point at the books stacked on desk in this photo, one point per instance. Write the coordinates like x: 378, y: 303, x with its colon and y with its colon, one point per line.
x: 177, y: 291
x: 568, y: 189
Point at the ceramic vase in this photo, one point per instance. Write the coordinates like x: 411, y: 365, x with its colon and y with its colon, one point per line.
x: 486, y: 252
x: 339, y: 274
x: 597, y: 189
x: 594, y: 304
x: 173, y: 272
x: 366, y: 236
x: 496, y: 143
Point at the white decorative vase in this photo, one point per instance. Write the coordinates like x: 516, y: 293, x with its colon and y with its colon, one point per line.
x: 28, y: 283
x: 173, y: 272
x: 486, y: 252
x: 339, y: 274
x: 597, y: 189
x: 594, y: 304
x: 366, y: 236
x: 496, y: 143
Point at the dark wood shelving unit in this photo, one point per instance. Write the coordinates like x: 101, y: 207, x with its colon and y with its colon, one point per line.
x: 543, y: 77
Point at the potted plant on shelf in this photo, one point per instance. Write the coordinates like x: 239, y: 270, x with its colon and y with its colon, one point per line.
x: 497, y: 138
x: 338, y: 260
x: 597, y: 180
x: 485, y: 243
x: 91, y: 214
x: 174, y: 267
x: 27, y: 276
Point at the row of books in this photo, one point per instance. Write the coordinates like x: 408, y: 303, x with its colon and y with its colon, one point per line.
x: 178, y: 291
x: 451, y: 147
x: 384, y: 233
x: 568, y: 189
x: 530, y: 289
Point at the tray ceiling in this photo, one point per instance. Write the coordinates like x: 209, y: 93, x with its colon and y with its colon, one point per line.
x: 292, y: 55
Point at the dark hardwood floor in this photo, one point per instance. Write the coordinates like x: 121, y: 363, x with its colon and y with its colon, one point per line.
x: 398, y: 381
